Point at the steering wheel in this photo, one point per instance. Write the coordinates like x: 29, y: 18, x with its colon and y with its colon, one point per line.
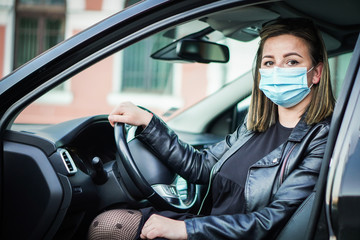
x: 154, y: 180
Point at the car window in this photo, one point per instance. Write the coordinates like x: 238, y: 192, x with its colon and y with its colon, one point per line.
x: 164, y: 87
x: 338, y: 68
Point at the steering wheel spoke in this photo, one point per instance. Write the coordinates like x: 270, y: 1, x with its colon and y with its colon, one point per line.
x: 168, y: 192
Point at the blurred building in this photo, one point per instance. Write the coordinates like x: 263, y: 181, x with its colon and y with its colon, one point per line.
x: 29, y: 27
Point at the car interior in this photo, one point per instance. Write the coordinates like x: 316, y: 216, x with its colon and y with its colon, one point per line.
x: 58, y: 177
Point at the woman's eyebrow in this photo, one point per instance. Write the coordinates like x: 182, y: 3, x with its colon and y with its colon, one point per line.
x: 267, y: 56
x: 285, y: 55
x: 292, y: 53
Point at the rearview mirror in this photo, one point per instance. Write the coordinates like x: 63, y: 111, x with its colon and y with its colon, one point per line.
x: 202, y: 51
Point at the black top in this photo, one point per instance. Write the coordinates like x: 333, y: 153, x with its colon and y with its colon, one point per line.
x: 228, y: 184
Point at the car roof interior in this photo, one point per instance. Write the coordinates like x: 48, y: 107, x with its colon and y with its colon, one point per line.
x: 339, y: 30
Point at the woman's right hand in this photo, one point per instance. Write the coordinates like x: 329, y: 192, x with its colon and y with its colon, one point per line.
x: 129, y: 113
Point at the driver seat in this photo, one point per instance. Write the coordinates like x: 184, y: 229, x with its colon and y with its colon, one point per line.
x: 298, y: 223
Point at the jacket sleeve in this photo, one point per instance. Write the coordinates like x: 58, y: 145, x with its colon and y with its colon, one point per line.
x: 266, y: 222
x: 190, y: 163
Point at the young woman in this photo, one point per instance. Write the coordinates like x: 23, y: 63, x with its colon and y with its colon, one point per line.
x: 262, y: 172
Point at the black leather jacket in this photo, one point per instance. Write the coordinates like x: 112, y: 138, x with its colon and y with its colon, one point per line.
x: 276, y: 185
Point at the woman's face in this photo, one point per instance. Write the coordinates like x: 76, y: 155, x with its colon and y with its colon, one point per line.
x: 287, y: 51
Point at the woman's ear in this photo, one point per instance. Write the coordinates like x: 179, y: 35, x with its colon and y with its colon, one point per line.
x: 317, y: 73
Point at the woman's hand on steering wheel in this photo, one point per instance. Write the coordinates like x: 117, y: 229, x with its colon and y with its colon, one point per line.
x: 155, y: 181
x: 129, y: 113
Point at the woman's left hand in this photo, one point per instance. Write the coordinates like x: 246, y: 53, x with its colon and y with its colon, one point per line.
x: 159, y: 226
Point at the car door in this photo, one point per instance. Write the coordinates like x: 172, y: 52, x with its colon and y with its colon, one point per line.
x: 336, y: 209
x: 343, y: 189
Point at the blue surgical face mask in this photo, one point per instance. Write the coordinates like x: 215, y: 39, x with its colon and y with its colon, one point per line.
x: 285, y: 87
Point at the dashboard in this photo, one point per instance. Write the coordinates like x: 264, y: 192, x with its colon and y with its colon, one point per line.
x: 50, y: 178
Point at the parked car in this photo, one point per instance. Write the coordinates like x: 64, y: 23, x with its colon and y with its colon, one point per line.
x: 55, y: 178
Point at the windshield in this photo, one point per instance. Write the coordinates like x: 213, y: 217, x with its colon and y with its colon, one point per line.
x: 164, y: 87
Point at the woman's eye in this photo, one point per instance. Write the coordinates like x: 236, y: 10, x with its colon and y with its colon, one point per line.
x: 292, y: 62
x: 268, y: 63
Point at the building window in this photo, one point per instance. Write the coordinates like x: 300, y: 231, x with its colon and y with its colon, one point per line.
x: 39, y: 26
x: 141, y: 73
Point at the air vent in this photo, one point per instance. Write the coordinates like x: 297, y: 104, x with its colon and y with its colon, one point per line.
x: 69, y: 163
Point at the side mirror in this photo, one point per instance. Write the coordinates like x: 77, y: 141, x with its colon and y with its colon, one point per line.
x: 202, y: 51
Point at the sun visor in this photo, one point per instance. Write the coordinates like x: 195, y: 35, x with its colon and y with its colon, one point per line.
x: 242, y: 23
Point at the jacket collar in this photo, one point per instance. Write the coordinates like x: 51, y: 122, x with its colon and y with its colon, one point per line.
x: 298, y: 133
x: 300, y: 130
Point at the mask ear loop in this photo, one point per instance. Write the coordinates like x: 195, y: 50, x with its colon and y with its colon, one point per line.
x: 308, y: 72
x: 310, y: 69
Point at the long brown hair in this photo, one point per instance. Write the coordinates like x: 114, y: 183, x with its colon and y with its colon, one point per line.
x: 262, y: 111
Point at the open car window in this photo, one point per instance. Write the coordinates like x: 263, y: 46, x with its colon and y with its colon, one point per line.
x: 164, y: 87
